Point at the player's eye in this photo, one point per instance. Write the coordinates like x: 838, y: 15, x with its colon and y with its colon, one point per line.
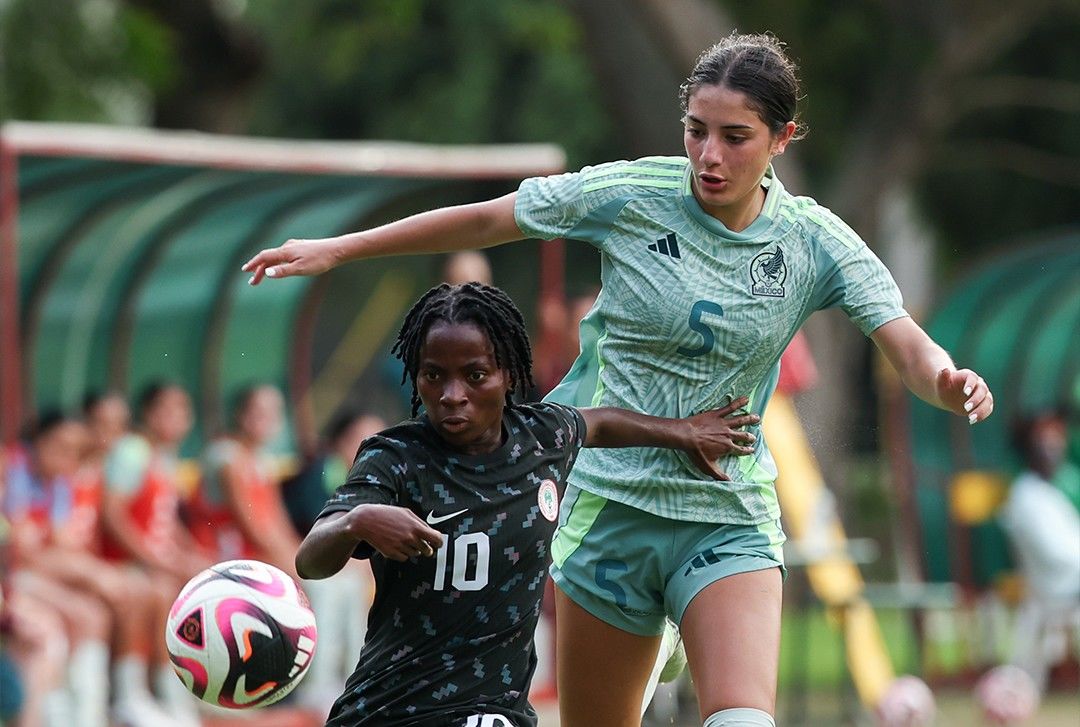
x: 429, y: 375
x: 694, y: 132
x: 477, y: 376
x: 735, y: 140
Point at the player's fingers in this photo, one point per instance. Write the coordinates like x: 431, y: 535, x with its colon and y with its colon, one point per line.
x: 983, y: 410
x: 257, y: 275
x: 284, y: 270
x: 744, y: 420
x: 394, y: 554
x: 269, y: 256
x: 732, y: 406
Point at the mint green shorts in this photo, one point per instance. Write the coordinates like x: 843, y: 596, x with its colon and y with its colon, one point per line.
x: 634, y: 570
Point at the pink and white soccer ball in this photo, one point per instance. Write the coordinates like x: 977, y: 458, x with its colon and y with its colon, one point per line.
x: 908, y: 702
x: 1007, y: 695
x: 241, y: 634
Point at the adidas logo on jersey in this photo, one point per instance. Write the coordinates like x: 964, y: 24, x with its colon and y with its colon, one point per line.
x: 667, y: 246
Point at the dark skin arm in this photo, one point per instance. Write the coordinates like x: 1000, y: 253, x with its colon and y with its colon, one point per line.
x: 705, y: 437
x: 394, y: 531
x: 399, y: 534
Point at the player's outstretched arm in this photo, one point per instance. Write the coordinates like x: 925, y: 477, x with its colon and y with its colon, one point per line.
x: 926, y: 369
x: 394, y: 531
x: 464, y: 227
x: 706, y: 437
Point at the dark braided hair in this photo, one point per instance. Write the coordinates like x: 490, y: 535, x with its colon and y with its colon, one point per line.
x: 490, y: 310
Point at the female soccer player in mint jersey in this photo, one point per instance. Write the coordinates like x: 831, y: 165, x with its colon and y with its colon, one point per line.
x: 473, y: 484
x: 709, y: 268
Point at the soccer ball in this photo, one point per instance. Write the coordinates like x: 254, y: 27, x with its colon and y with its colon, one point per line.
x: 241, y: 634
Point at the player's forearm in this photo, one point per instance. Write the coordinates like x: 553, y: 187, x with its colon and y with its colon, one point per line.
x: 326, y: 549
x: 915, y: 356
x: 613, y: 428
x: 464, y: 227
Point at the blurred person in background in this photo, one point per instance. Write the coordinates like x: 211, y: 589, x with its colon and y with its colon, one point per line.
x: 237, y: 511
x: 142, y: 526
x: 108, y: 417
x: 33, y: 646
x: 38, y: 502
x: 341, y: 603
x: 467, y: 266
x: 306, y: 492
x: 1043, y: 527
x: 64, y: 546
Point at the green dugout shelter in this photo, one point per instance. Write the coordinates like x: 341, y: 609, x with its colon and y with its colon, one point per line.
x: 1016, y: 321
x: 120, y: 254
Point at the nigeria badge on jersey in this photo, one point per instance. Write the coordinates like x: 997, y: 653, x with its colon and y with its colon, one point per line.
x: 547, y: 497
x: 768, y: 271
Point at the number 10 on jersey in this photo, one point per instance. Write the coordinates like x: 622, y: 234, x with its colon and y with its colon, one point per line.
x: 474, y: 547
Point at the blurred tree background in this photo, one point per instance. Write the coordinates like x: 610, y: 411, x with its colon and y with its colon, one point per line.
x: 940, y: 129
x: 972, y: 104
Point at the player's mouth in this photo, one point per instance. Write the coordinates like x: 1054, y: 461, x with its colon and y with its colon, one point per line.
x: 454, y: 423
x: 711, y: 182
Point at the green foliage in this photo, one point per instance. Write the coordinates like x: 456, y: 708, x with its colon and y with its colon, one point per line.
x: 987, y: 170
x: 94, y: 61
x: 470, y: 71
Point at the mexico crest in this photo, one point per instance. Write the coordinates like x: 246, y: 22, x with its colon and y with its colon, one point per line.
x: 768, y: 271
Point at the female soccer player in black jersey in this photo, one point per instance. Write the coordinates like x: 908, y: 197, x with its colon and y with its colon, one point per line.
x: 456, y: 508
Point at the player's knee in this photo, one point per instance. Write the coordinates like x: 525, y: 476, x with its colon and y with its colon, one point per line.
x: 88, y: 618
x: 739, y: 717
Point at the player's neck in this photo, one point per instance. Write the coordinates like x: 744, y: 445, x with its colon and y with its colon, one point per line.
x: 740, y: 214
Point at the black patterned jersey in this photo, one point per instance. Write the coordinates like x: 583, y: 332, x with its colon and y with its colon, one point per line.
x: 450, y: 637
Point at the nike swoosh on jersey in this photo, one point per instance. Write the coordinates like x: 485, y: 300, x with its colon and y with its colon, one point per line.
x: 432, y: 520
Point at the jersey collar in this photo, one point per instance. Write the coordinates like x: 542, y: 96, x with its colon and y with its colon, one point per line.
x: 774, y: 190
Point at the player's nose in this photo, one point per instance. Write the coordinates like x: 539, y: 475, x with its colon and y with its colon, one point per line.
x: 453, y: 393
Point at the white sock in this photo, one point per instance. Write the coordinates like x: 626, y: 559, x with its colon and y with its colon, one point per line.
x: 741, y: 717
x: 88, y: 677
x: 181, y: 704
x: 56, y: 709
x: 130, y: 678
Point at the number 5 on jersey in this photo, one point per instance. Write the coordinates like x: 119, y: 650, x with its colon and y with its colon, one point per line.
x: 461, y: 578
x: 708, y: 338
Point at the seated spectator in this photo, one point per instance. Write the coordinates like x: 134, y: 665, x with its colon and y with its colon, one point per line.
x: 237, y: 511
x: 306, y: 492
x: 341, y: 603
x: 38, y: 502
x: 141, y: 521
x: 1043, y: 528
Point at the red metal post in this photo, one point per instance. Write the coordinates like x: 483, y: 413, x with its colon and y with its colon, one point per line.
x: 10, y: 349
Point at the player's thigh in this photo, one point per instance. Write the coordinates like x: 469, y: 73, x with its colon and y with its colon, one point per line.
x: 731, y: 632
x: 602, y: 669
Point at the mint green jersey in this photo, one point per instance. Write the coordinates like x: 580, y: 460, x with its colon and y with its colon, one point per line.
x: 692, y: 315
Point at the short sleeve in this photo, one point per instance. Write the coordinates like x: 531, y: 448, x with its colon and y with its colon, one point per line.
x: 562, y: 427
x: 216, y: 457
x: 549, y: 207
x: 853, y: 278
x: 374, y: 479
x: 126, y: 464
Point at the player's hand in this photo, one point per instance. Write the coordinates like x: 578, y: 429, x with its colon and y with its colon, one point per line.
x: 718, y: 433
x: 964, y: 393
x: 396, y: 532
x: 295, y: 257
